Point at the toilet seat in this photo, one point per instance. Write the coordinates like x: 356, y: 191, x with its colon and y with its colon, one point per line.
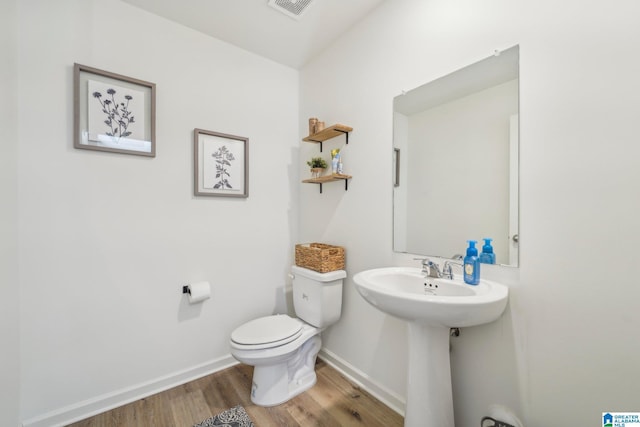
x: 267, y: 332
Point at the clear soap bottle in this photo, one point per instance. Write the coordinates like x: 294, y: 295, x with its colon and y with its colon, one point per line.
x: 487, y: 256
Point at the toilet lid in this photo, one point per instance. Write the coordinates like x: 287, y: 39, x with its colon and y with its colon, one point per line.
x: 265, y: 330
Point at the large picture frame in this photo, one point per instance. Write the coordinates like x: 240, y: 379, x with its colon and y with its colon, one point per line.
x: 113, y: 112
x: 221, y: 164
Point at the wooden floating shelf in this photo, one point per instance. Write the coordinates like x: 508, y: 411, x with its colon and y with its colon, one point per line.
x: 329, y: 178
x: 328, y: 133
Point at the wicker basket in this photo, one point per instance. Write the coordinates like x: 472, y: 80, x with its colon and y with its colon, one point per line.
x: 320, y: 257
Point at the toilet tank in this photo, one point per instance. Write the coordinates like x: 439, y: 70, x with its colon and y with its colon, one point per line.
x: 317, y: 297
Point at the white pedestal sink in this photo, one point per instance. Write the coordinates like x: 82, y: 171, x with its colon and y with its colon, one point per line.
x: 432, y: 306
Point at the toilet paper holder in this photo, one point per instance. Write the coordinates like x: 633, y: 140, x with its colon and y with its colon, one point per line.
x: 197, y: 292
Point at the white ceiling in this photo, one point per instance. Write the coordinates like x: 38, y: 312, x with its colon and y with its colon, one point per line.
x: 255, y: 26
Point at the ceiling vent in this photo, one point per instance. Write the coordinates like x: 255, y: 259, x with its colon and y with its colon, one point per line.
x: 292, y: 8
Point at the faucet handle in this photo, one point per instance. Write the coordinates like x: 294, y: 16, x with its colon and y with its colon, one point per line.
x: 447, y: 270
x: 426, y: 262
x: 430, y: 268
x: 434, y: 270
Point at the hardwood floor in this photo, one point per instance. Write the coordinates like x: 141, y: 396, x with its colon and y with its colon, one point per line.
x: 333, y: 401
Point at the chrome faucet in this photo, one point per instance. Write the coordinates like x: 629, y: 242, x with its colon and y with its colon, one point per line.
x: 447, y: 271
x: 430, y: 268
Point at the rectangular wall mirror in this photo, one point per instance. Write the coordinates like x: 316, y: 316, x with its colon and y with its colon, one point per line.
x: 456, y: 148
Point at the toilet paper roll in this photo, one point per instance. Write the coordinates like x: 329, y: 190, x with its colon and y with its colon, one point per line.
x: 199, y: 291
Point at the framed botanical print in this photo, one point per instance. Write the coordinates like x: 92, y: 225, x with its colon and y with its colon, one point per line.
x: 221, y: 164
x: 113, y: 112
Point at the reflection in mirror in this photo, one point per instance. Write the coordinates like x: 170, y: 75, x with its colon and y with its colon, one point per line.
x: 456, y: 161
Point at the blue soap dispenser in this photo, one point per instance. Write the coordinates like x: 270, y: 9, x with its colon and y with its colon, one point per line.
x: 471, y: 266
x: 487, y: 256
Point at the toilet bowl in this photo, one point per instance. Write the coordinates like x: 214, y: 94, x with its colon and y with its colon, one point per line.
x: 284, y: 367
x: 282, y: 348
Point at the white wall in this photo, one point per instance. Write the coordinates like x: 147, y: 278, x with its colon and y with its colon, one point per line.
x: 108, y: 240
x: 9, y: 284
x: 565, y: 351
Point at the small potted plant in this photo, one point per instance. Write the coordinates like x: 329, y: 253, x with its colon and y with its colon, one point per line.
x: 317, y: 165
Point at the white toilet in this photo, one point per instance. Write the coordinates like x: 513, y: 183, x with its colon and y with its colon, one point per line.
x: 283, y: 349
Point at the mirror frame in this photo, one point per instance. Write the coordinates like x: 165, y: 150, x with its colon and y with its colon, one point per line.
x: 487, y: 73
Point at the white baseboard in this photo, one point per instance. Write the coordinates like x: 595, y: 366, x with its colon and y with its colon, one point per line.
x: 99, y: 404
x: 383, y: 394
x: 90, y: 407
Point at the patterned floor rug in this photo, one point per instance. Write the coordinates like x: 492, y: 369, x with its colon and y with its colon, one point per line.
x: 234, y: 417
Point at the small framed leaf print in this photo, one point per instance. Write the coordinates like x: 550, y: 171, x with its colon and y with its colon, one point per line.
x: 221, y: 164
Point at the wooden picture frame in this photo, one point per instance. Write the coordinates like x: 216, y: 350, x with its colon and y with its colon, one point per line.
x: 113, y: 113
x: 221, y: 164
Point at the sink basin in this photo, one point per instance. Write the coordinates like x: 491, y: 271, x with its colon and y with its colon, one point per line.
x: 405, y: 292
x: 432, y: 306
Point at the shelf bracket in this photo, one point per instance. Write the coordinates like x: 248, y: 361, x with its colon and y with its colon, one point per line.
x: 346, y: 136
